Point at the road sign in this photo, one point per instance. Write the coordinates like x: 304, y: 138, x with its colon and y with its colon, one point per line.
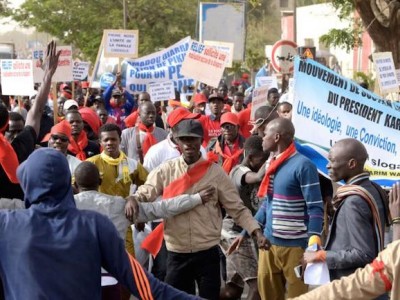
x: 282, y: 56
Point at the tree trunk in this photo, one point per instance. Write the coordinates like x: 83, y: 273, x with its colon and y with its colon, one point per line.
x: 382, y: 21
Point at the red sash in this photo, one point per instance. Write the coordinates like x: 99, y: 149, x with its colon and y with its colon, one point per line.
x: 262, y: 191
x: 78, y: 147
x: 152, y: 243
x: 229, y: 158
x: 149, y: 139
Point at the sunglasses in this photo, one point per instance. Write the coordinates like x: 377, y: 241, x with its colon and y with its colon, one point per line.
x: 56, y: 137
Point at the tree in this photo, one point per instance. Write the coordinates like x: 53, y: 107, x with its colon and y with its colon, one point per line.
x: 380, y: 18
x: 81, y: 23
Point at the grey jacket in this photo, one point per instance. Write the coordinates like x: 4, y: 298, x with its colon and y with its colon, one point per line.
x: 352, y: 243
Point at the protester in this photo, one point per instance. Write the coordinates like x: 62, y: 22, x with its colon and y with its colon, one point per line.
x: 70, y: 105
x: 241, y: 260
x: 24, y: 143
x: 211, y: 123
x: 238, y: 99
x: 16, y: 125
x: 37, y: 237
x: 200, y: 102
x: 80, y: 146
x: 136, y: 141
x: 359, y: 213
x: 91, y: 123
x: 244, y: 122
x: 118, y: 104
x: 273, y: 97
x: 227, y: 149
x: 262, y: 116
x: 284, y: 110
x: 104, y: 117
x: 192, y: 238
x: 158, y: 154
x: 291, y: 212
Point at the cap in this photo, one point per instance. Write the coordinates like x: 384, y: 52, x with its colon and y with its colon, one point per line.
x: 215, y: 96
x: 199, y: 98
x: 189, y: 128
x: 230, y: 118
x: 63, y: 127
x: 69, y: 103
x: 116, y: 92
x: 180, y: 114
x: 85, y: 84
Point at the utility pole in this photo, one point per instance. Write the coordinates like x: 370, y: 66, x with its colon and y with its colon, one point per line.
x: 124, y: 12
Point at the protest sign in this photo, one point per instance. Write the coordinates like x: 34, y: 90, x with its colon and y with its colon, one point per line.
x: 161, y: 91
x: 398, y: 75
x: 223, y: 47
x: 121, y: 43
x: 164, y: 65
x: 80, y: 70
x: 260, y: 96
x: 385, y: 72
x: 64, y: 69
x: 105, y: 70
x: 328, y: 107
x: 16, y: 77
x: 270, y: 81
x: 204, y: 63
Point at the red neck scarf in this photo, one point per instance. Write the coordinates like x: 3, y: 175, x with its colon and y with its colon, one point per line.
x: 77, y: 147
x: 8, y: 157
x: 152, y: 243
x: 149, y: 139
x: 231, y: 158
x: 262, y: 191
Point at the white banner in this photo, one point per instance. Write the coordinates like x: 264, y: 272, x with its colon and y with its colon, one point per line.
x: 80, y: 70
x: 328, y: 107
x: 64, y: 69
x: 260, y: 96
x: 164, y: 65
x: 204, y: 64
x: 270, y: 81
x: 223, y: 47
x: 385, y: 72
x: 121, y: 43
x: 162, y: 91
x: 16, y: 77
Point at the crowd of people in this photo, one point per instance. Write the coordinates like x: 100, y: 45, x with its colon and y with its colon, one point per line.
x: 229, y: 200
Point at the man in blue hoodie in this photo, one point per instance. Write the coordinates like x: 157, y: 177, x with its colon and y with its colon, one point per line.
x: 52, y: 250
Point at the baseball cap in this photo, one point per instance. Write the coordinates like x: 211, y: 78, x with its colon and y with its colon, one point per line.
x: 200, y: 98
x: 215, y: 96
x: 230, y: 118
x: 189, y: 128
x: 180, y: 114
x: 69, y: 103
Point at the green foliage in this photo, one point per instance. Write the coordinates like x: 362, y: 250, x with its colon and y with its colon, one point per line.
x: 310, y: 2
x: 81, y: 23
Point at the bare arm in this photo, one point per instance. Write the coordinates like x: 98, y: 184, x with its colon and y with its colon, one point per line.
x: 35, y: 113
x: 394, y: 205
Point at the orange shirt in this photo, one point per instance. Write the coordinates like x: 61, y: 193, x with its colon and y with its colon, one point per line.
x: 244, y: 122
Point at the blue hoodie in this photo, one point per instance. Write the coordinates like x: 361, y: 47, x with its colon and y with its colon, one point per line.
x: 54, y: 251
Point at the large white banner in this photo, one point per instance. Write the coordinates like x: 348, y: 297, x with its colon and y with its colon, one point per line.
x: 328, y: 107
x: 16, y: 77
x: 164, y: 65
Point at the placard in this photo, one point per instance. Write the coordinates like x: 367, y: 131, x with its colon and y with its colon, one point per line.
x: 162, y: 91
x: 260, y: 96
x: 16, y: 77
x: 80, y: 70
x: 385, y: 72
x: 121, y: 43
x: 204, y: 63
x: 223, y: 47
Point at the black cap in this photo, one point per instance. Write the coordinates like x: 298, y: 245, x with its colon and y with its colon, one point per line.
x: 189, y: 128
x: 215, y: 96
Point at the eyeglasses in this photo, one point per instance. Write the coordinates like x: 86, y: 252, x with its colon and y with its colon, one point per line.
x: 56, y: 137
x: 228, y: 126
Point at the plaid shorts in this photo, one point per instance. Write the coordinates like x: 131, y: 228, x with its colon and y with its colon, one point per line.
x: 242, y: 264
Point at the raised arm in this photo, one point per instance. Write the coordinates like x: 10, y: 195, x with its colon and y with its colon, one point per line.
x: 51, y: 62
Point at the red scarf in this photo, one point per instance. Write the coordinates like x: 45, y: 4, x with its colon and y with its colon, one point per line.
x: 231, y: 158
x: 152, y: 243
x: 149, y: 139
x: 77, y: 147
x: 8, y: 157
x: 262, y: 191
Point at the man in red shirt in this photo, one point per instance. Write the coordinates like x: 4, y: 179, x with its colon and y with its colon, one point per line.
x: 211, y: 123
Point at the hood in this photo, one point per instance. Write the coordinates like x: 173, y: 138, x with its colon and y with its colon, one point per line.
x: 45, y: 179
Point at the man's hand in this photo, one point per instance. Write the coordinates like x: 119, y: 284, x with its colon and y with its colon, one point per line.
x: 131, y: 208
x: 207, y: 194
x: 51, y: 59
x: 310, y: 257
x: 394, y: 200
x: 235, y: 245
x: 262, y: 242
